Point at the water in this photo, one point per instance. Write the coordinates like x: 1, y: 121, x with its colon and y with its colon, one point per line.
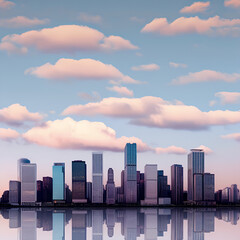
x: 120, y: 223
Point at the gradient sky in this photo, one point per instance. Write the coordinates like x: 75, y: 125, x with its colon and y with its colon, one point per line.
x: 82, y: 76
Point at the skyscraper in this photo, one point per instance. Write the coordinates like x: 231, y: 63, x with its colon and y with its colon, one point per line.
x: 195, y: 165
x: 59, y: 182
x: 47, y: 189
x: 39, y: 191
x: 20, y: 162
x: 79, y: 181
x: 163, y: 187
x: 14, y: 192
x: 208, y: 187
x: 233, y: 194
x: 177, y: 183
x: 28, y: 183
x: 97, y: 177
x: 130, y: 173
x: 110, y: 187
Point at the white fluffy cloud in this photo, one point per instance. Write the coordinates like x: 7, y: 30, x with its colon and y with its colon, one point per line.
x: 68, y: 38
x: 177, y: 65
x: 17, y: 114
x: 8, y: 134
x: 228, y: 97
x: 83, y: 69
x: 206, y: 76
x: 196, y: 7
x: 21, y: 21
x: 156, y: 112
x: 121, y: 90
x: 6, y: 4
x: 147, y: 67
x: 189, y: 25
x: 232, y: 3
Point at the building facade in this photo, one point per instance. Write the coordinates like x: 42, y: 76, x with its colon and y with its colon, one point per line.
x: 110, y: 188
x: 177, y: 183
x: 47, y: 189
x: 59, y: 194
x: 14, y: 192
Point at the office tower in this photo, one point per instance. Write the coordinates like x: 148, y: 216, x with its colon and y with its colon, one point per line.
x: 68, y: 194
x: 198, y: 187
x: 79, y: 226
x: 177, y: 183
x: 14, y: 192
x: 97, y: 177
x: 89, y: 192
x: 141, y: 187
x: 20, y: 162
x: 28, y: 183
x: 59, y: 218
x: 177, y: 224
x: 150, y: 184
x: 110, y: 188
x: 130, y: 173
x: 218, y: 196
x: 47, y: 189
x: 226, y: 195
x: 233, y: 194
x: 195, y: 165
x: 59, y: 182
x: 208, y: 187
x: 39, y: 191
x: 79, y: 181
x: 163, y: 187
x: 28, y: 230
x: 97, y: 224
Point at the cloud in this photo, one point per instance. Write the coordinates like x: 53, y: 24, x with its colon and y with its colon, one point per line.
x: 232, y: 3
x: 155, y: 112
x: 228, y: 97
x: 148, y: 67
x: 21, y: 21
x: 83, y: 69
x: 85, y: 17
x: 121, y: 90
x: 171, y: 150
x: 196, y: 7
x: 8, y: 134
x: 17, y: 114
x: 68, y: 38
x: 190, y: 25
x: 95, y: 96
x: 11, y: 48
x: 206, y: 76
x: 177, y: 65
x: 6, y: 4
x: 207, y: 150
x: 234, y: 136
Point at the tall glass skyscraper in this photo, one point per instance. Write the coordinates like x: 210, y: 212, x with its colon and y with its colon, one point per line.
x: 20, y: 162
x: 97, y: 177
x: 59, y: 182
x: 177, y: 183
x: 110, y: 187
x: 28, y: 183
x: 195, y: 165
x: 79, y: 181
x: 130, y: 173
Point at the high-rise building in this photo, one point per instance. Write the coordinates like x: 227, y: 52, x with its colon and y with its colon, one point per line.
x: 89, y: 192
x: 234, y: 194
x: 79, y: 181
x: 14, y: 192
x: 110, y: 188
x: 226, y: 195
x: 130, y: 173
x: 97, y: 177
x: 198, y: 187
x: 20, y: 162
x: 39, y: 191
x: 208, y: 187
x: 59, y: 182
x: 177, y: 183
x: 28, y: 183
x: 163, y: 187
x: 195, y: 165
x: 47, y: 189
x: 150, y: 184
x: 141, y: 187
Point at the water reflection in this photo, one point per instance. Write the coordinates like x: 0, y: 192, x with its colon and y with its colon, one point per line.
x: 147, y: 223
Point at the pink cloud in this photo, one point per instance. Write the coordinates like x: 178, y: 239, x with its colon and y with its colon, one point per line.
x: 121, y: 90
x: 65, y: 69
x: 206, y: 76
x: 17, y: 114
x: 171, y: 150
x: 68, y: 38
x: 189, y: 25
x: 85, y: 17
x: 156, y: 112
x: 207, y: 150
x: 8, y: 134
x: 11, y: 48
x: 177, y: 65
x: 234, y: 136
x: 147, y: 67
x: 6, y: 4
x: 21, y: 21
x: 228, y: 97
x: 196, y: 7
x: 232, y: 3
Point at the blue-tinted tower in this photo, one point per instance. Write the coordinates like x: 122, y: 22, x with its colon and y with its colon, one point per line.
x: 59, y: 182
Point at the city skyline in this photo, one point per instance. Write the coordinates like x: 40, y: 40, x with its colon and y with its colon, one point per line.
x: 93, y: 76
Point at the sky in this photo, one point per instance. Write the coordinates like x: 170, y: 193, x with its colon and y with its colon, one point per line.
x: 83, y: 76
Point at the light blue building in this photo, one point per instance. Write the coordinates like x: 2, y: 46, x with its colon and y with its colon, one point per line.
x: 59, y: 182
x: 130, y: 173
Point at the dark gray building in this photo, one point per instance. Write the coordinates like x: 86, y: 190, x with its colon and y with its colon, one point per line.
x: 177, y: 184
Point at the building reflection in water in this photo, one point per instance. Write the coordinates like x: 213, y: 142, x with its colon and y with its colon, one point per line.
x: 151, y: 223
